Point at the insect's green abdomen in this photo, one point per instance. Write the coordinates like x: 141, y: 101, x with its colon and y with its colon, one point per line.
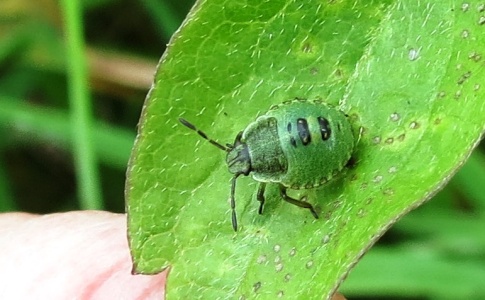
x: 316, y: 140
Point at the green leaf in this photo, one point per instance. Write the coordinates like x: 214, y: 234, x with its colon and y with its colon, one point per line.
x: 409, y: 75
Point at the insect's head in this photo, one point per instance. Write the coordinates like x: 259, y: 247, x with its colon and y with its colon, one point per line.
x: 237, y: 159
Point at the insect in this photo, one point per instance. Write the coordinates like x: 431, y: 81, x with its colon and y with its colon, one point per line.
x: 299, y: 144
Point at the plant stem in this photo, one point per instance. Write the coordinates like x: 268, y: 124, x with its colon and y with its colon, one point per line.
x: 163, y: 15
x: 89, y: 190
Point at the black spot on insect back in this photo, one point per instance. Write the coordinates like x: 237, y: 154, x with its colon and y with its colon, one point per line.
x: 292, y: 139
x: 324, y: 128
x: 303, y: 131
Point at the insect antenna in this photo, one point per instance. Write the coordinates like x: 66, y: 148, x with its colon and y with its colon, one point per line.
x: 233, y: 202
x: 202, y: 134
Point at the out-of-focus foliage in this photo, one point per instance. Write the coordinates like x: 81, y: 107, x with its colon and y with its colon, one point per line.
x: 124, y: 41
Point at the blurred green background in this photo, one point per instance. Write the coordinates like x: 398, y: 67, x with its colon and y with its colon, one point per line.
x: 435, y: 252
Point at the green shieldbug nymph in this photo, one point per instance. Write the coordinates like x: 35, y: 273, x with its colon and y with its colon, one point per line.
x: 299, y: 144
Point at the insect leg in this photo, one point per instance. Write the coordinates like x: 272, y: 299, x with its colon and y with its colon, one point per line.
x: 233, y: 202
x: 260, y: 196
x: 297, y: 202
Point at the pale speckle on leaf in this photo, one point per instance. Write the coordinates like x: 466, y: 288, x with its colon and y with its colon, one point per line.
x: 395, y: 117
x: 413, y: 54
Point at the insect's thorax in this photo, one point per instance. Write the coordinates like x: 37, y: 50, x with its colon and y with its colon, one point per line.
x: 268, y: 162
